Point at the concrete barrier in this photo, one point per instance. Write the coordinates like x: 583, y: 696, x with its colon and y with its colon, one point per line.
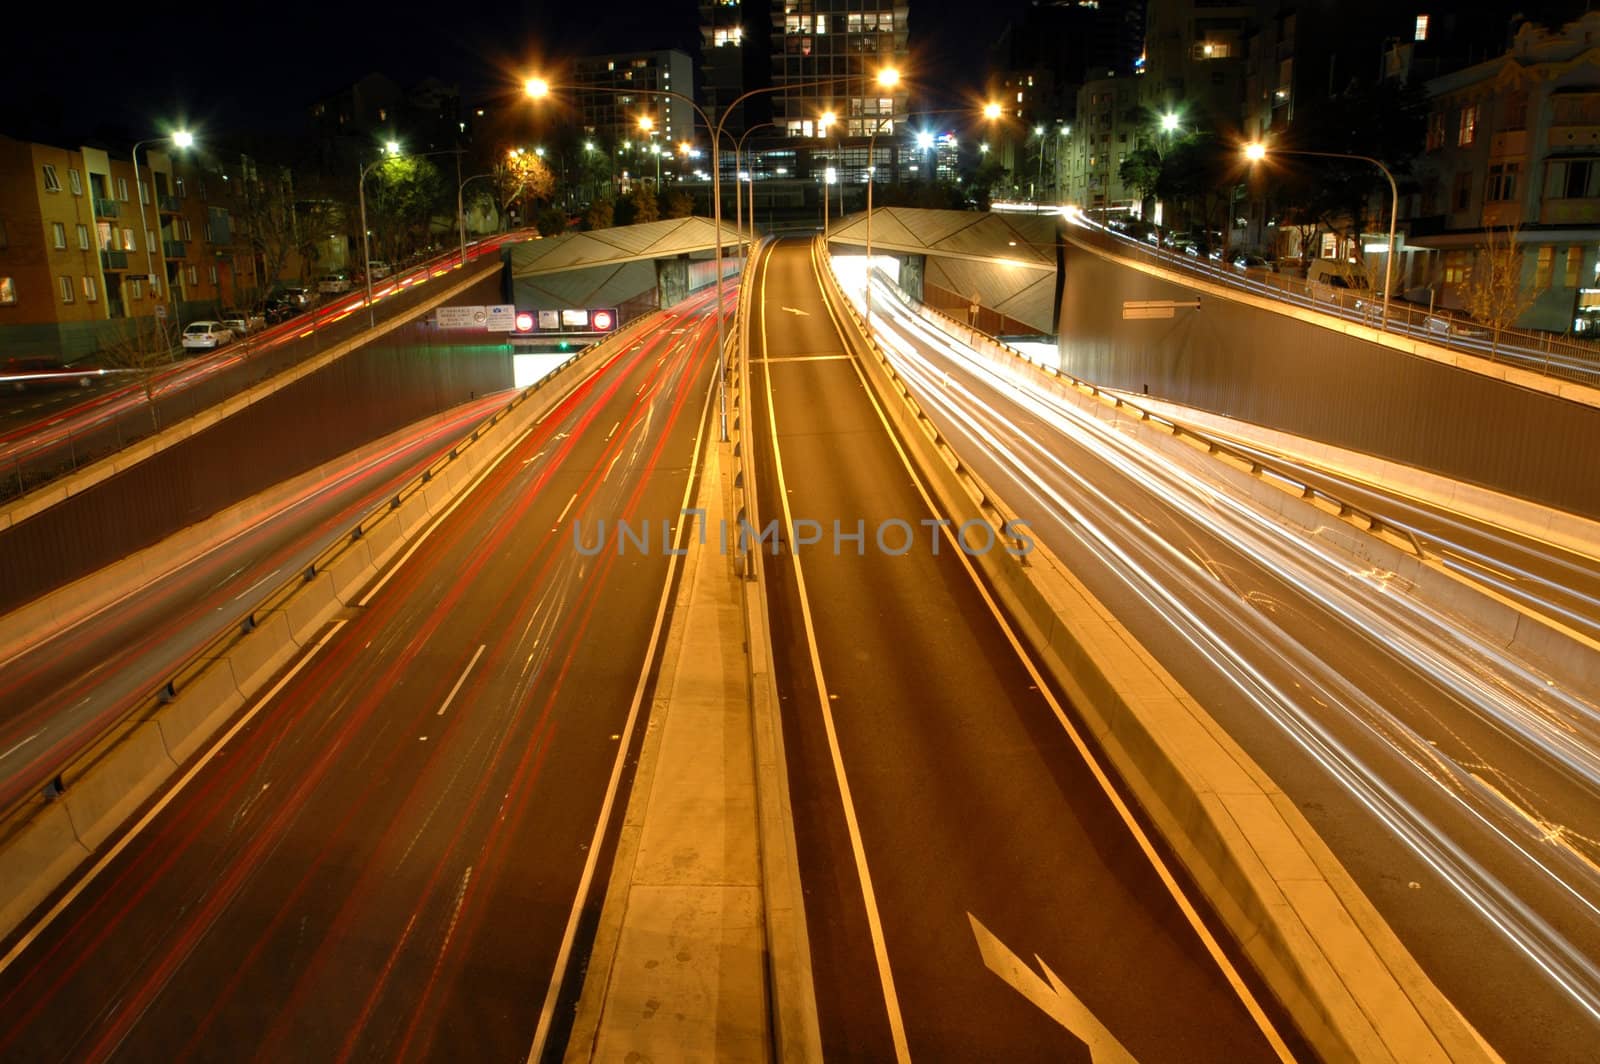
x: 114, y: 784
x: 43, y: 840
x: 1320, y: 946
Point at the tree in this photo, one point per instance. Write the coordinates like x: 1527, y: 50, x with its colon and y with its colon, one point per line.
x: 1141, y: 171
x: 552, y: 221
x: 677, y: 204
x: 1494, y: 292
x: 267, y: 220
x: 408, y: 191
x: 600, y: 215
x: 525, y: 179
x: 638, y: 206
x: 143, y: 347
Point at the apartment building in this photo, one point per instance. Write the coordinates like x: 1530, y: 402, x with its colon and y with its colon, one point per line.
x: 612, y: 94
x: 1097, y: 143
x: 722, y: 53
x: 87, y: 251
x: 1513, y: 144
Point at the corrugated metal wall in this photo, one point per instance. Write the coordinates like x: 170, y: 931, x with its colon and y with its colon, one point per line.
x: 1263, y: 367
x: 412, y: 372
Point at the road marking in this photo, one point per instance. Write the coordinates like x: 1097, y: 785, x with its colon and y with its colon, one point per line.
x: 257, y: 584
x: 26, y: 741
x: 460, y: 680
x: 792, y: 310
x: 613, y: 431
x: 567, y: 507
x: 154, y: 811
x: 563, y: 955
x: 880, y: 950
x: 1162, y: 871
x: 800, y: 358
x: 1051, y: 996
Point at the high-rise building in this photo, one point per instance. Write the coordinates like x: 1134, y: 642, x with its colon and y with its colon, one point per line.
x: 614, y: 115
x: 722, y: 56
x: 826, y: 56
x: 1194, y: 59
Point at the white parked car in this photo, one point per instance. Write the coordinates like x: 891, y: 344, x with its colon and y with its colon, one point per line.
x: 206, y: 335
x: 335, y: 283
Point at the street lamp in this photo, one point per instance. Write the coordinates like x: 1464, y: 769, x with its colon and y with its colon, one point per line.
x: 1169, y: 122
x: 924, y: 141
x: 392, y: 150
x: 1255, y: 152
x: 538, y: 88
x: 738, y: 224
x: 180, y: 139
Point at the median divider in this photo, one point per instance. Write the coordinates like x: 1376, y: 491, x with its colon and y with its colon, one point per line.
x: 1320, y: 946
x: 96, y: 788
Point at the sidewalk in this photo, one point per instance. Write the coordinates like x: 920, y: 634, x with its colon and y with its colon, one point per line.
x: 678, y: 969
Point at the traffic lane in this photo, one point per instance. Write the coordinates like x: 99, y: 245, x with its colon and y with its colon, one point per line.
x: 62, y: 692
x: 1382, y: 765
x: 1544, y: 576
x: 984, y: 807
x: 340, y: 833
x: 33, y: 406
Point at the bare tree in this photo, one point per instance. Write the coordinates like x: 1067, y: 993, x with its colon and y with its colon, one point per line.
x: 141, y: 347
x: 1494, y: 293
x: 267, y: 217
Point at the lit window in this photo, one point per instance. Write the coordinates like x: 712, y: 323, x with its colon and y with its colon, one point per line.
x: 66, y: 288
x: 1421, y: 33
x: 52, y: 183
x: 1467, y: 132
x: 91, y: 291
x: 8, y: 291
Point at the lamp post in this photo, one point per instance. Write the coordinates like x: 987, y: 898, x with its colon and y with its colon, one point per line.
x: 180, y: 139
x: 460, y: 191
x: 1257, y: 151
x: 991, y: 112
x: 538, y: 88
x: 391, y: 150
x: 738, y: 224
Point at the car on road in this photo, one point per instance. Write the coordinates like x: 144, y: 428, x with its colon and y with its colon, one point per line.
x: 335, y: 283
x: 206, y: 336
x: 31, y: 374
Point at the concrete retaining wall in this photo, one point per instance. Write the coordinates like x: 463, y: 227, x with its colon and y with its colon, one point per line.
x: 1317, y: 942
x: 44, y: 839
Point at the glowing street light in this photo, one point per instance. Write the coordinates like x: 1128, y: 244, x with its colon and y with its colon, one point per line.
x: 888, y: 77
x: 1169, y: 122
x: 392, y: 147
x: 1257, y: 151
x: 925, y: 140
x: 991, y: 111
x: 536, y: 87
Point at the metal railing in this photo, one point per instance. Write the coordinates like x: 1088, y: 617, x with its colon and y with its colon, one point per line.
x: 113, y: 260
x: 1374, y: 523
x: 172, y: 249
x: 104, y: 208
x: 1547, y: 354
x: 31, y: 463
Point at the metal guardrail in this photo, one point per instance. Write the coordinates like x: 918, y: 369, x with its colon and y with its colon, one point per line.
x: 1547, y: 354
x: 54, y: 783
x: 29, y: 466
x: 1375, y: 523
x: 104, y: 208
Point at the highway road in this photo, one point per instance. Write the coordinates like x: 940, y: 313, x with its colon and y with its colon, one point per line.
x: 391, y: 857
x: 36, y: 441
x: 1457, y: 784
x: 57, y: 694
x: 945, y: 819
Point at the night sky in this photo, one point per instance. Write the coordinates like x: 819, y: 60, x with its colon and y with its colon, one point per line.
x: 96, y: 74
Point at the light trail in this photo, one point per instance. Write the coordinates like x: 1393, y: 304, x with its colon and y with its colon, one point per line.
x: 1511, y: 698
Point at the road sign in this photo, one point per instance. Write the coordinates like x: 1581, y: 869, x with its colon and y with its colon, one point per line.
x: 461, y: 317
x: 502, y: 317
x: 1155, y: 308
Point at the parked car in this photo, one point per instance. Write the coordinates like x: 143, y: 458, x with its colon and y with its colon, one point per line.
x: 243, y: 322
x: 335, y: 283
x: 206, y: 336
x: 286, y: 303
x: 1445, y: 325
x: 380, y: 269
x: 1247, y: 261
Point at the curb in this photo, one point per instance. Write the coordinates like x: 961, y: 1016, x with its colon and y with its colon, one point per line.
x: 1321, y: 947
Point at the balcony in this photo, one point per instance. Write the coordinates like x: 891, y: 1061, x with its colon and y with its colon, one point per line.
x: 169, y: 204
x: 113, y: 260
x: 172, y: 249
x: 106, y: 208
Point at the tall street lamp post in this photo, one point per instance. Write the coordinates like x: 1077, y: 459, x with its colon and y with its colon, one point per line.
x: 181, y: 139
x: 738, y: 149
x: 1258, y: 151
x: 991, y: 112
x: 539, y: 88
x: 392, y: 150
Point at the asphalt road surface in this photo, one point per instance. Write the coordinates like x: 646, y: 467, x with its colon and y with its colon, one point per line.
x: 1457, y: 783
x: 934, y: 788
x: 387, y: 861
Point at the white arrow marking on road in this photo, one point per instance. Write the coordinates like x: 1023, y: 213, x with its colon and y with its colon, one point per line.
x: 794, y: 310
x: 1051, y: 995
